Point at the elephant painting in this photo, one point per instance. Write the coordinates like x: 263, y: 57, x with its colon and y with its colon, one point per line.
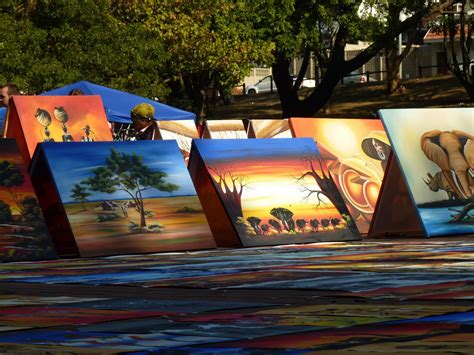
x: 453, y: 152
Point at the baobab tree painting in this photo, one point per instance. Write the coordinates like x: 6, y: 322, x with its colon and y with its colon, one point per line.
x: 263, y: 185
x: 23, y: 231
x: 128, y: 197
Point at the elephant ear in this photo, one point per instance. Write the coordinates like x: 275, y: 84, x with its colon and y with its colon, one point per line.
x: 467, y: 142
x: 433, y: 151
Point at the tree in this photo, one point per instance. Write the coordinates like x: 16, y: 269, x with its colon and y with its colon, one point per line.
x: 230, y: 188
x: 302, y: 27
x: 301, y: 223
x: 457, y: 30
x: 80, y: 194
x: 127, y: 173
x: 275, y: 224
x: 314, y: 223
x: 285, y: 216
x: 325, y: 187
x: 49, y: 43
x: 388, y: 14
x: 5, y: 212
x: 255, y: 223
x: 10, y: 178
x: 212, y: 44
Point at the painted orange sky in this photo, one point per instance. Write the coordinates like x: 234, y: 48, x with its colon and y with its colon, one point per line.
x: 81, y: 110
x: 272, y: 184
x: 342, y: 137
x: 9, y: 152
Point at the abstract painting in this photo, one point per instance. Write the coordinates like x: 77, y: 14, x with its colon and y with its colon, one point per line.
x: 435, y: 152
x: 268, y: 191
x: 356, y: 152
x: 23, y: 231
x: 35, y: 119
x: 183, y: 132
x: 224, y: 129
x: 123, y: 197
x: 269, y: 128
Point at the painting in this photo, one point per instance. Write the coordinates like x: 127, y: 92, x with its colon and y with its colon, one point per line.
x: 224, y: 129
x: 356, y: 152
x: 23, y: 232
x: 435, y: 152
x: 182, y: 131
x: 268, y: 192
x: 123, y: 197
x: 35, y: 119
x: 277, y: 128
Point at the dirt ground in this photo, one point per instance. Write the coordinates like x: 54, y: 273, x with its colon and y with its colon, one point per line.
x: 355, y: 100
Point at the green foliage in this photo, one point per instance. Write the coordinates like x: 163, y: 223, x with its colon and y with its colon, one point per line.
x: 10, y: 175
x: 50, y: 43
x: 31, y: 209
x: 255, y: 223
x: 79, y: 193
x: 5, y: 212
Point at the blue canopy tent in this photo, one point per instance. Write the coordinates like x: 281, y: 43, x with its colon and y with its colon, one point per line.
x: 118, y: 104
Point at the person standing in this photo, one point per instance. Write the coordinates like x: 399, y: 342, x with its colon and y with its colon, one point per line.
x: 7, y: 92
x: 144, y: 122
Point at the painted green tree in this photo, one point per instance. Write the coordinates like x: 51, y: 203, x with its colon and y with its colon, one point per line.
x: 127, y: 173
x: 80, y: 194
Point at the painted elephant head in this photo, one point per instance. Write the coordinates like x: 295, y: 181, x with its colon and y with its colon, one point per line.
x: 453, y: 152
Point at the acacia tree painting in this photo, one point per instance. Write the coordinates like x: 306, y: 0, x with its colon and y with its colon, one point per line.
x: 127, y: 173
x: 79, y: 193
x: 11, y: 177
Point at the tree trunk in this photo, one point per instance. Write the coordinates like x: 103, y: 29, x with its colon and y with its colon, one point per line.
x: 394, y: 84
x: 196, y: 89
x: 83, y: 206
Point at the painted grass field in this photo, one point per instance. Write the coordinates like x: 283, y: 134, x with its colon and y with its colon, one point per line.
x: 182, y: 230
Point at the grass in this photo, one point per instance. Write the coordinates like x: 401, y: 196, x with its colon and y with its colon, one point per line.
x: 355, y: 100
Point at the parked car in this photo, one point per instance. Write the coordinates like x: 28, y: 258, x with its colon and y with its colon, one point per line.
x: 267, y: 84
x: 354, y: 77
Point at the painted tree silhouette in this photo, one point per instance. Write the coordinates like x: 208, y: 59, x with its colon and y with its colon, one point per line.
x: 230, y: 188
x: 80, y: 194
x: 10, y: 178
x: 5, y: 212
x: 326, y: 184
x: 126, y: 172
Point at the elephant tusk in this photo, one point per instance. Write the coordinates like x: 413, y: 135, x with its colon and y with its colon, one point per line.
x: 453, y: 184
x: 456, y: 181
x: 471, y: 172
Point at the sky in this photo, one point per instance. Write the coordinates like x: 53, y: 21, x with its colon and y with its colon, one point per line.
x: 249, y: 149
x: 72, y: 162
x: 405, y: 128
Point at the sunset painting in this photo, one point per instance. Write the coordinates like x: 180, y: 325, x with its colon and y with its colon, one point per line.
x: 356, y: 152
x: 276, y: 191
x: 128, y: 197
x: 35, y: 119
x: 23, y: 232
